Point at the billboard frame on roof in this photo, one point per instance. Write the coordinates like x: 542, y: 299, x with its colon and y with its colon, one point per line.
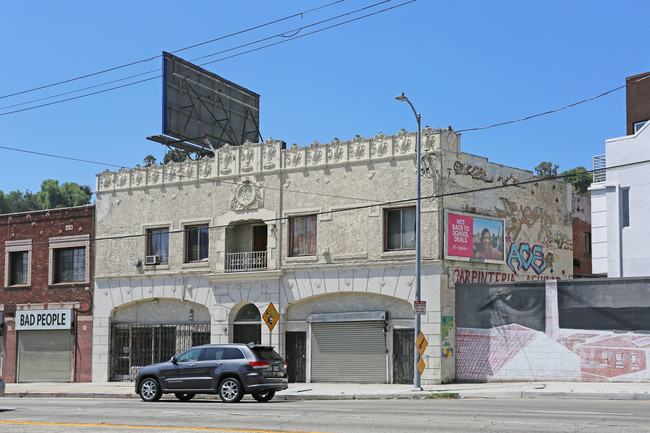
x: 205, y: 111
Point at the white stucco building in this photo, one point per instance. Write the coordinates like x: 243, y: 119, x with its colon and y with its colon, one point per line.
x: 620, y: 206
x: 196, y: 252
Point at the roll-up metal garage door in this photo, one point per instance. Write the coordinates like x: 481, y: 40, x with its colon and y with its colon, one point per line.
x: 348, y: 352
x: 45, y: 356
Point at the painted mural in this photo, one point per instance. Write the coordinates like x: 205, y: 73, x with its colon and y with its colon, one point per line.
x: 560, y: 330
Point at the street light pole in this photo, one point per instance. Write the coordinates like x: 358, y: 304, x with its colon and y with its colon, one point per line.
x: 416, y: 356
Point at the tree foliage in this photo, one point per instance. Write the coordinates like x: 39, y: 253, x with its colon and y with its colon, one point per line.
x: 174, y: 155
x: 51, y: 196
x: 580, y: 178
x: 546, y: 169
x: 149, y: 160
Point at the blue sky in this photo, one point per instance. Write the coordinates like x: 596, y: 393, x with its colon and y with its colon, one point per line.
x: 464, y: 64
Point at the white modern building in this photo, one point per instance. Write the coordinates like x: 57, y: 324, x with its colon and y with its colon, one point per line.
x: 620, y: 205
x: 620, y: 193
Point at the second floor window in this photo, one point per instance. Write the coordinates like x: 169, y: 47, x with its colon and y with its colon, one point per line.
x: 70, y: 265
x: 158, y: 244
x: 18, y: 268
x: 400, y: 229
x: 196, y: 243
x: 302, y: 231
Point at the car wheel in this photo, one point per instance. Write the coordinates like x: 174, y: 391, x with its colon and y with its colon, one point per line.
x: 150, y: 389
x: 263, y: 396
x: 230, y: 390
x: 184, y: 397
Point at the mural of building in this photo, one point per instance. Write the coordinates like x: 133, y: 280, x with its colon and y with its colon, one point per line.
x: 619, y: 192
x: 46, y: 263
x: 200, y: 250
x: 590, y: 330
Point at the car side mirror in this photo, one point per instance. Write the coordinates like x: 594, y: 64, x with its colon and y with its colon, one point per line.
x: 173, y: 360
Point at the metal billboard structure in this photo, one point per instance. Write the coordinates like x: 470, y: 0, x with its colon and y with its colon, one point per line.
x: 203, y: 111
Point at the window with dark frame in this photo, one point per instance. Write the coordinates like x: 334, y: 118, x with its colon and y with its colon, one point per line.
x: 70, y: 265
x: 18, y: 263
x: 302, y: 233
x: 399, y: 229
x: 196, y: 243
x: 625, y: 204
x: 587, y: 239
x: 158, y: 243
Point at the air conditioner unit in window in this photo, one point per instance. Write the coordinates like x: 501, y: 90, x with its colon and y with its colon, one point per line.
x: 152, y: 260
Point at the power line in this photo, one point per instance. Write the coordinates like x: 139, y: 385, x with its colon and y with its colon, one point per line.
x: 391, y: 203
x: 199, y: 58
x: 183, y: 176
x: 555, y: 110
x: 300, y: 14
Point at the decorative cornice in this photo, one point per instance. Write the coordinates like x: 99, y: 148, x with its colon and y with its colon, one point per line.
x: 258, y: 159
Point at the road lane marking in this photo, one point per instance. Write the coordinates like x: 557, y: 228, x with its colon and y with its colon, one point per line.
x: 559, y: 412
x: 152, y: 427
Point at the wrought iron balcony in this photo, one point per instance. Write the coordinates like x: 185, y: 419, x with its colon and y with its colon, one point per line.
x: 246, y: 262
x: 600, y: 168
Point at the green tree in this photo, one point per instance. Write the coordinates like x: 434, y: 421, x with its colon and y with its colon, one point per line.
x: 174, y: 155
x: 50, y: 196
x: 580, y: 178
x: 546, y: 169
x: 149, y: 160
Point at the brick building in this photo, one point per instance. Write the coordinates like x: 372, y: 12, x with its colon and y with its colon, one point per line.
x: 46, y: 262
x: 581, y: 236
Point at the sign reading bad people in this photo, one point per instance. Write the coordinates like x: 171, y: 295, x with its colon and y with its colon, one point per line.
x: 43, y: 319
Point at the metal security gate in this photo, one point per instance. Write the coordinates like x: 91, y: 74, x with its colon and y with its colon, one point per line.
x: 45, y: 356
x: 348, y: 352
x: 403, y: 352
x: 134, y: 346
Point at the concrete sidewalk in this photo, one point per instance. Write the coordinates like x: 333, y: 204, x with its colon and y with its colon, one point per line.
x: 350, y: 391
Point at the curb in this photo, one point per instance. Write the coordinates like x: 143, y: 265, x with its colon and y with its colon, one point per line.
x: 388, y: 396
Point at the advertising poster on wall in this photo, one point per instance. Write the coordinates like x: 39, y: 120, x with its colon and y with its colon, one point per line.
x: 474, y: 238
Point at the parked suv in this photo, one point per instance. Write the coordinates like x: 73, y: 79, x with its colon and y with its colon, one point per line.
x: 230, y: 370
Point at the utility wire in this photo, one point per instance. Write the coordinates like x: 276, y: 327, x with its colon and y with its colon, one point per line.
x: 391, y: 203
x: 555, y: 110
x: 187, y: 177
x: 299, y: 14
x: 296, y: 31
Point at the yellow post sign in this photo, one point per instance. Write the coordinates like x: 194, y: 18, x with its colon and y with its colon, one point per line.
x: 271, y: 316
x: 421, y: 343
x: 421, y: 365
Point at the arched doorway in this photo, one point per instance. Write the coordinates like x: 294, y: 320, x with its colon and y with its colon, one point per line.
x: 247, y: 325
x: 154, y: 330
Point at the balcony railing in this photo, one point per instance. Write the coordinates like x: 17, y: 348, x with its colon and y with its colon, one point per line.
x: 246, y: 262
x: 600, y: 168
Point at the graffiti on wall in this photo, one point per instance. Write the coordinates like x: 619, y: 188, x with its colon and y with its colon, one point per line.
x: 446, y: 325
x: 517, y: 217
x: 586, y: 332
x: 479, y: 173
x: 524, y: 257
x: 460, y: 276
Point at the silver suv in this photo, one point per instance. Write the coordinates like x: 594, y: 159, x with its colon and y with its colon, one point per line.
x: 230, y: 370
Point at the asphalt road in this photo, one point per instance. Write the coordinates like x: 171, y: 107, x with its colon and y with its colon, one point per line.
x: 341, y: 416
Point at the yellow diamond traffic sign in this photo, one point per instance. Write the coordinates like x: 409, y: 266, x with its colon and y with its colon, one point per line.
x: 421, y: 343
x: 271, y: 316
x: 421, y: 365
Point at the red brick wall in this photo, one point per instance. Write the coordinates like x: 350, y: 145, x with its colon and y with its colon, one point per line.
x: 40, y: 226
x: 581, y: 225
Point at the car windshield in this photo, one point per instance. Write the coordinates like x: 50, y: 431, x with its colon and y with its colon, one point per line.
x: 267, y: 354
